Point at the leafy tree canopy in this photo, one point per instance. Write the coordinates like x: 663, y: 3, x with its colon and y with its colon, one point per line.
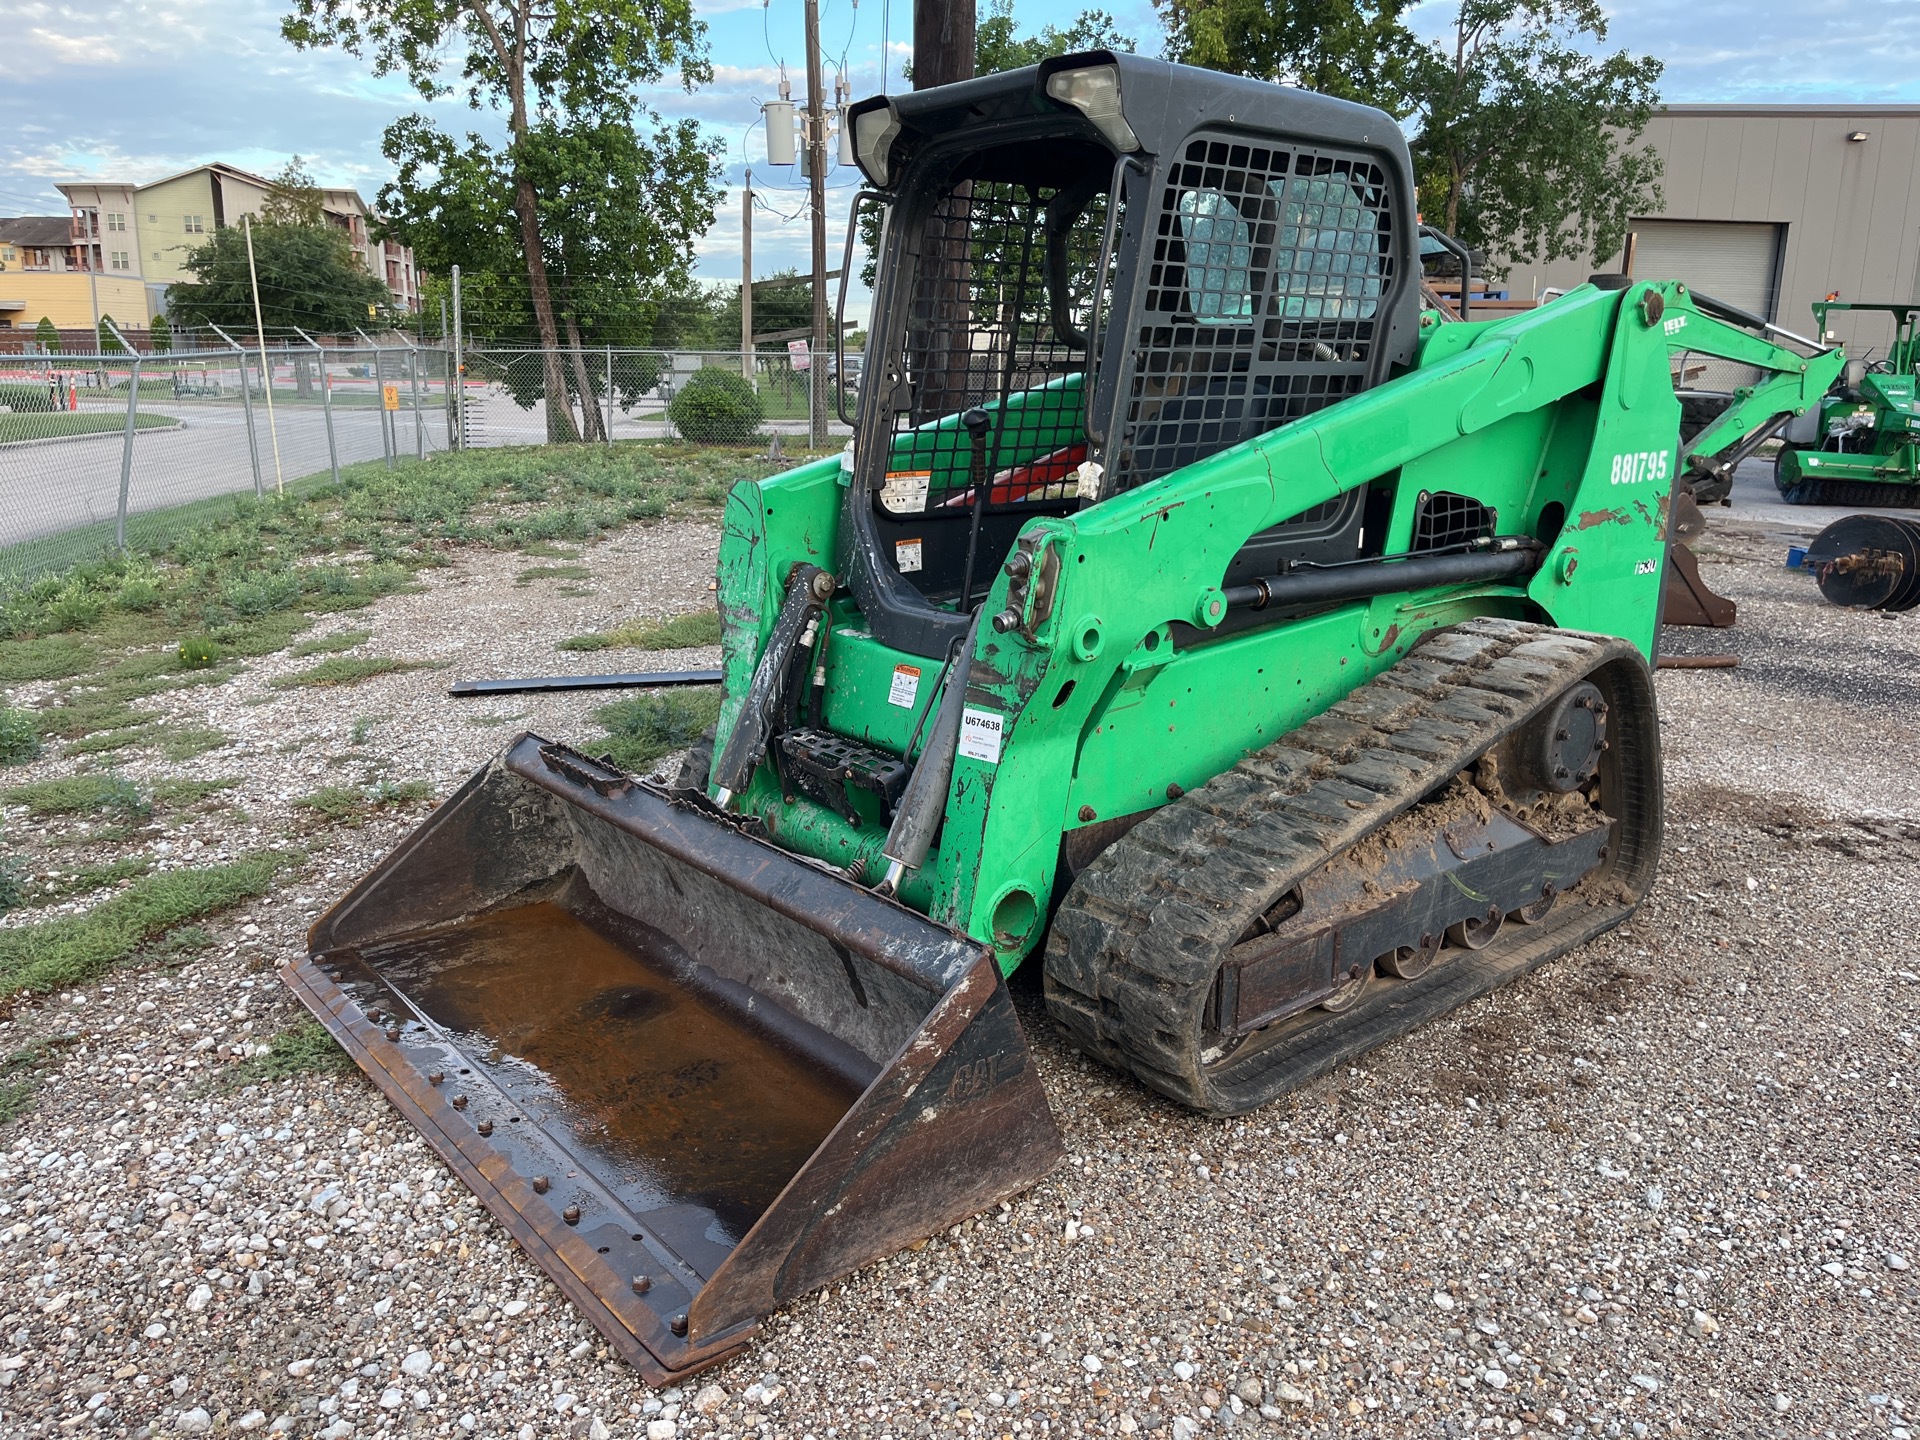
x: 1525, y: 130
x: 998, y: 46
x: 293, y: 197
x: 310, y: 277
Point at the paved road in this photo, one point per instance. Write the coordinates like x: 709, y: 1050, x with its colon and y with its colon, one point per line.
x: 47, y: 489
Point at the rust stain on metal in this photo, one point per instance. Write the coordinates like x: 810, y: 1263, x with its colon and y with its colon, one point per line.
x: 1593, y: 519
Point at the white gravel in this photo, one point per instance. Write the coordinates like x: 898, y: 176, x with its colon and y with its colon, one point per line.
x: 1666, y: 1186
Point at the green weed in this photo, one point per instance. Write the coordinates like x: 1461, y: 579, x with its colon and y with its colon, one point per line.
x: 304, y: 1049
x: 183, y: 743
x: 642, y: 729
x: 19, y: 736
x: 354, y: 803
x: 13, y: 886
x: 362, y: 728
x: 682, y: 632
x: 72, y: 949
x: 552, y: 572
x: 197, y: 652
x: 77, y: 795
x: 331, y: 644
x: 177, y: 792
x: 346, y: 670
x: 56, y: 885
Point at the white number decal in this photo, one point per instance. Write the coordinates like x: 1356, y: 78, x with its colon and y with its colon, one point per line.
x: 1645, y: 567
x: 1675, y: 325
x: 1641, y: 466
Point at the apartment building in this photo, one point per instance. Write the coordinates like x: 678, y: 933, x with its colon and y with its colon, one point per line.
x: 126, y: 243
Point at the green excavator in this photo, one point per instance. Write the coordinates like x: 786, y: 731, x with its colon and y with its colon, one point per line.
x: 1193, y: 617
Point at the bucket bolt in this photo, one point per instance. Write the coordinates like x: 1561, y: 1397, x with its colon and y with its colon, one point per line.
x: 571, y: 1214
x: 486, y: 1127
x: 393, y: 1032
x: 541, y: 1184
x: 642, y: 1284
x: 435, y: 1077
x: 459, y: 1102
x: 678, y: 1324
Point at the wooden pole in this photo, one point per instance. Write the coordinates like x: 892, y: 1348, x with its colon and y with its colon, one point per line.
x: 817, y: 192
x: 943, y: 42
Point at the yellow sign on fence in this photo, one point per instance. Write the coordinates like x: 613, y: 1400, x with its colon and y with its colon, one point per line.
x: 390, y: 397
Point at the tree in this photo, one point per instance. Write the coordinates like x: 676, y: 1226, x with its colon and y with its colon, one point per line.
x: 1355, y: 49
x: 1528, y: 140
x: 293, y: 197
x: 998, y: 46
x: 162, y: 334
x: 618, y: 210
x: 552, y: 67
x: 310, y: 277
x: 47, y: 336
x: 1525, y: 139
x: 109, y: 343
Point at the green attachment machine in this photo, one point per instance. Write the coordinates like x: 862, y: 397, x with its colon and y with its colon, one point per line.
x: 1192, y: 618
x: 1861, y: 445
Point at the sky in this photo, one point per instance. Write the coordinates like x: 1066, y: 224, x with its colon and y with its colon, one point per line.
x: 139, y: 89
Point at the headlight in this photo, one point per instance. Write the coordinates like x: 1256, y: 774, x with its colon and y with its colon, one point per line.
x: 1095, y: 92
x: 873, y: 132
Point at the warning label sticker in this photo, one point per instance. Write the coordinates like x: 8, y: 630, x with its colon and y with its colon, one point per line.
x: 980, y: 732
x: 906, y: 556
x: 905, y: 492
x: 905, y: 687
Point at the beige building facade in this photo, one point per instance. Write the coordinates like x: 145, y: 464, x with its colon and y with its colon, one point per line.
x: 1772, y: 207
x: 125, y: 244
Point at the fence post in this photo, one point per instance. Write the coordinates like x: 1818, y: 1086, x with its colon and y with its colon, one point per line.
x: 389, y: 432
x: 126, y: 447
x: 457, y: 380
x: 246, y: 404
x: 609, y: 394
x: 326, y: 402
x: 419, y: 430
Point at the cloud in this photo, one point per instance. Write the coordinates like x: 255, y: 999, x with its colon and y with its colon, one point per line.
x: 73, y: 49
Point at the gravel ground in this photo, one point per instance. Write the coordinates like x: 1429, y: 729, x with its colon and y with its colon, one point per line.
x: 1666, y: 1186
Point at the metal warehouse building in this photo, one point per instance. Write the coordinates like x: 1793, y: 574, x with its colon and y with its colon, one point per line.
x: 1772, y: 207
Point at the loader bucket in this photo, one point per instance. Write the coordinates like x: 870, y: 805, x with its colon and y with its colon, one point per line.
x: 694, y: 1076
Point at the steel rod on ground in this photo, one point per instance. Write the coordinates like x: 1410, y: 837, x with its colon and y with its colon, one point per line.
x: 536, y: 684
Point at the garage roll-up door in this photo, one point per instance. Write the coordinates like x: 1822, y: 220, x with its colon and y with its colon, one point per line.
x: 1729, y: 261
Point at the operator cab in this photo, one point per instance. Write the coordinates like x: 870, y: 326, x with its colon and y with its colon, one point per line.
x: 1156, y: 227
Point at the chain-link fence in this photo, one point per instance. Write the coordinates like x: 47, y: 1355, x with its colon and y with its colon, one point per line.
x: 707, y: 397
x: 120, y: 448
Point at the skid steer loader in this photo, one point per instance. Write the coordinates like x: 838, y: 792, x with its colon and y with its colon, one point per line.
x: 1191, y: 617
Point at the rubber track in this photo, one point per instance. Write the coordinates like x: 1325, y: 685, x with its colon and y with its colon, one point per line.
x: 1134, y: 948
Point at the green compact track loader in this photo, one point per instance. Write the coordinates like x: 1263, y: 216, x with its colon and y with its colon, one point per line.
x: 1193, y: 618
x: 1861, y: 444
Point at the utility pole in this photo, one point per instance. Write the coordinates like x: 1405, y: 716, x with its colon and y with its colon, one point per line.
x: 943, y: 42
x: 266, y: 368
x: 817, y: 192
x: 457, y: 379
x: 746, y: 281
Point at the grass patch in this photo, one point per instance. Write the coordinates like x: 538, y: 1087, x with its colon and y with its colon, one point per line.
x: 642, y: 729
x: 45, y: 657
x: 56, y: 885
x: 497, y: 719
x: 547, y: 550
x: 346, y: 670
x: 77, y: 795
x: 304, y: 1049
x: 353, y: 803
x: 177, y: 792
x: 73, y: 949
x: 552, y: 572
x: 331, y: 644
x: 111, y: 740
x: 19, y: 736
x: 682, y: 632
x: 186, y: 742
x: 45, y: 427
